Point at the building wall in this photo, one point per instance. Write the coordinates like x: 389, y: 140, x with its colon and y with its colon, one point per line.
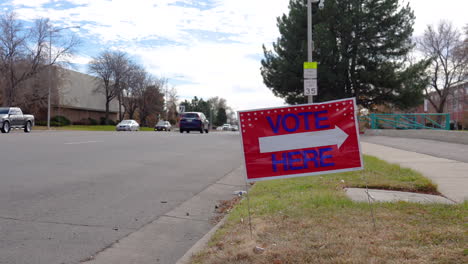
x: 456, y: 105
x: 79, y: 98
x: 82, y: 116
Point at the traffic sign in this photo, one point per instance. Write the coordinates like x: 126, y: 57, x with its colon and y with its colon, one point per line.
x: 181, y: 108
x: 310, y: 87
x: 310, y: 65
x: 300, y: 140
x: 310, y: 73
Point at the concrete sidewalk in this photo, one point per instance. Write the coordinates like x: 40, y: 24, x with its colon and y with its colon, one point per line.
x: 451, y: 176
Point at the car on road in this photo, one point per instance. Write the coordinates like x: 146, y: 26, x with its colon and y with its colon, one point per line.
x: 234, y: 128
x: 127, y: 125
x: 227, y: 127
x: 193, y: 121
x: 163, y: 126
x: 12, y: 117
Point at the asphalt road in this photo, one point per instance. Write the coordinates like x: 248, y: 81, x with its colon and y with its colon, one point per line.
x: 65, y: 196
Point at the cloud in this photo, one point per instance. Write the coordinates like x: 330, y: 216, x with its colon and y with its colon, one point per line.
x: 205, y: 47
x: 211, y: 69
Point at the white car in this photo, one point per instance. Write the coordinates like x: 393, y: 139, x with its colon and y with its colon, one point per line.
x: 163, y: 125
x: 127, y: 125
x: 227, y: 127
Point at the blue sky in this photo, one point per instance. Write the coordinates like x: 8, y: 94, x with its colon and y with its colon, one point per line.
x: 203, y: 47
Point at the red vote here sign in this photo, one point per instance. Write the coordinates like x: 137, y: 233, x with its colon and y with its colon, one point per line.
x: 300, y: 140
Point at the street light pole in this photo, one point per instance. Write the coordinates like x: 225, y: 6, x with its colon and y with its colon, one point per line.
x: 310, y: 43
x: 49, y: 78
x: 310, y: 98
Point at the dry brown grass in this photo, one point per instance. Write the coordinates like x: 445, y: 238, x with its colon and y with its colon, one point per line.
x: 341, y: 237
x: 309, y: 220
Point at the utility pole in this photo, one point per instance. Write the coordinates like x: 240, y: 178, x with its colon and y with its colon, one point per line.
x: 310, y: 67
x: 310, y: 47
x: 49, y: 72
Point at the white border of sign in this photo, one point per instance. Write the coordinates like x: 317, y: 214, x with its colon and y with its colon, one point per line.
x: 302, y: 174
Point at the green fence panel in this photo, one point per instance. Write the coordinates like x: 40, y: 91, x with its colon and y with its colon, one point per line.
x: 410, y: 121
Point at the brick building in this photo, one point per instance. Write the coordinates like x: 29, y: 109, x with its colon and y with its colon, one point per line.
x: 78, y: 99
x: 456, y: 105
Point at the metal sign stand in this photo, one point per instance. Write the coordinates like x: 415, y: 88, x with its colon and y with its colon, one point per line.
x: 248, y: 208
x: 370, y: 199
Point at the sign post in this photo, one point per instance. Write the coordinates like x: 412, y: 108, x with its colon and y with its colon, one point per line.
x: 300, y: 140
x: 310, y: 79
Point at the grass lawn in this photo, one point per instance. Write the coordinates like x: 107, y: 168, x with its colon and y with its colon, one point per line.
x: 88, y: 128
x: 310, y: 220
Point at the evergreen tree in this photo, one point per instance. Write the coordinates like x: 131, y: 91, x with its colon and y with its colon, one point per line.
x: 221, y: 117
x: 361, y: 47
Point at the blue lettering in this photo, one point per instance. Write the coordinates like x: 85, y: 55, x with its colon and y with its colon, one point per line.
x: 307, y: 158
x: 291, y: 160
x: 296, y: 119
x: 295, y: 123
x: 274, y: 127
x: 323, y: 157
x: 306, y: 119
x: 318, y: 119
x: 298, y: 160
x: 276, y: 162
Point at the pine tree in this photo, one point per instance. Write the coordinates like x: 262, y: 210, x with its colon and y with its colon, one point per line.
x: 221, y: 117
x: 361, y: 47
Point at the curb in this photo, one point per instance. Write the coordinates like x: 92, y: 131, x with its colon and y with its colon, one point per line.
x: 201, y: 244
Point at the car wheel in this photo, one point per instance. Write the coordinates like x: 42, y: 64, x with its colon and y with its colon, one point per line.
x: 27, y: 127
x: 6, y: 127
x: 188, y: 131
x: 206, y: 131
x: 181, y: 131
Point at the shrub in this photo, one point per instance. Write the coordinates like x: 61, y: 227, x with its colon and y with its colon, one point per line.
x: 60, y: 121
x: 92, y: 121
x: 40, y: 123
x: 109, y: 122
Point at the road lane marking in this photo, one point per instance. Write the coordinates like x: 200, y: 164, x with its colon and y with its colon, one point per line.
x: 82, y: 142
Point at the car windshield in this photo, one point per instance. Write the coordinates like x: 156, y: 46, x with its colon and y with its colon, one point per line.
x: 4, y: 111
x: 161, y: 123
x: 190, y: 115
x: 126, y: 122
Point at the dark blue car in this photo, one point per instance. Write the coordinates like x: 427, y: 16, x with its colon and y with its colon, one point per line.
x: 193, y: 121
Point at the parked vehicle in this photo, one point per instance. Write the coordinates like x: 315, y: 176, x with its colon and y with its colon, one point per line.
x: 193, y: 121
x: 227, y: 127
x: 127, y: 125
x: 234, y: 128
x: 163, y: 125
x: 12, y: 117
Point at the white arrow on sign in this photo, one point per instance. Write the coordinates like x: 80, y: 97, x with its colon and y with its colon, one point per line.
x: 315, y: 139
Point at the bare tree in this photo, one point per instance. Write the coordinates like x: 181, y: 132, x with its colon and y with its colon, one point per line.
x: 449, y: 64
x: 111, y: 67
x: 134, y: 82
x: 171, y: 105
x: 151, y: 99
x: 24, y: 52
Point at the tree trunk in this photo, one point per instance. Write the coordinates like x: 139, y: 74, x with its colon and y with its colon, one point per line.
x: 120, y: 106
x: 106, y: 120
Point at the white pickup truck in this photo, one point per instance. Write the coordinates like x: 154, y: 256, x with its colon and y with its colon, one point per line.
x: 12, y: 117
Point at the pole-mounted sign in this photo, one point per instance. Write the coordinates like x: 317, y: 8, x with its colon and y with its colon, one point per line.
x: 181, y: 108
x: 300, y: 140
x: 310, y: 78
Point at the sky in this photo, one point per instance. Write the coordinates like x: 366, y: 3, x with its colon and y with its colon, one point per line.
x: 204, y: 48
